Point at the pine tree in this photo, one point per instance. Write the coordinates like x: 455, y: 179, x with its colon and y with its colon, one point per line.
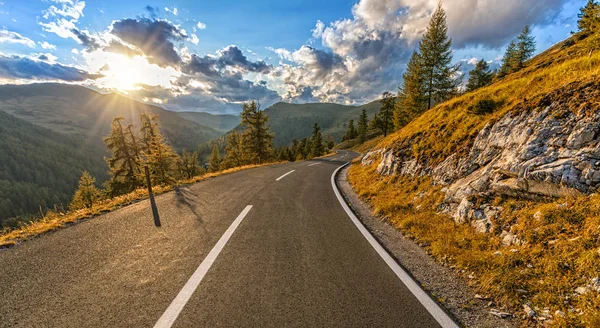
x: 509, y: 59
x: 435, y: 51
x: 480, y: 76
x: 306, y: 152
x: 317, y: 147
x: 330, y: 141
x: 87, y: 194
x: 258, y: 140
x: 215, y: 159
x: 350, y: 131
x: 157, y: 154
x: 525, y: 48
x: 374, y: 123
x: 124, y: 163
x: 412, y: 99
x: 386, y: 113
x: 589, y: 17
x: 235, y: 150
x: 363, y: 125
x: 188, y: 165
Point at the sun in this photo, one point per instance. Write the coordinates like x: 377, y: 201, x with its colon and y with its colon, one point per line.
x: 123, y: 73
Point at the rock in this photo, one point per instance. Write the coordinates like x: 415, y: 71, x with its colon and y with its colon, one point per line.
x: 582, y: 290
x: 529, y: 312
x: 462, y: 211
x: 537, y: 215
x: 497, y: 253
x: 500, y: 314
x: 510, y: 239
x: 559, y: 313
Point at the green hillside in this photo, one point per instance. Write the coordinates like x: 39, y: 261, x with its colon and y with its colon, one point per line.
x: 40, y: 167
x: 222, y: 123
x: 295, y: 121
x: 81, y: 111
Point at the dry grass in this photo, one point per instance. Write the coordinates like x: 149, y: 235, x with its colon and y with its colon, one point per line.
x: 53, y: 220
x: 561, y: 249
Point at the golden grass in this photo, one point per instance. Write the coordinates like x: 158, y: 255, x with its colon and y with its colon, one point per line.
x: 53, y: 220
x: 562, y: 236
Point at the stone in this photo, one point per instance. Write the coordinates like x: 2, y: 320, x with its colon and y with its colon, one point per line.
x: 510, y: 239
x: 462, y: 211
x: 559, y: 313
x: 582, y: 290
x: 529, y: 312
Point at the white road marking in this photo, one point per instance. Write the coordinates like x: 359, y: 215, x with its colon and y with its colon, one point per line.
x: 430, y: 305
x: 283, y: 176
x: 333, y: 159
x: 172, y: 312
x: 313, y: 164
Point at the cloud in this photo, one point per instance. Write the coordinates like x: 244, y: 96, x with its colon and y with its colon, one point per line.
x: 201, y: 26
x: 14, y: 37
x: 46, y: 45
x: 233, y: 56
x: 73, y: 9
x: 194, y: 39
x: 153, y: 37
x: 85, y: 39
x: 173, y: 11
x: 15, y: 67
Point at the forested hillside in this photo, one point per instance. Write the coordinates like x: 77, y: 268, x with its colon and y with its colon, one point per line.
x: 295, y: 121
x: 222, y: 123
x: 77, y: 110
x: 39, y: 167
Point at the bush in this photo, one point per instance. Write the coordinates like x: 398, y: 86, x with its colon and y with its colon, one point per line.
x: 484, y: 106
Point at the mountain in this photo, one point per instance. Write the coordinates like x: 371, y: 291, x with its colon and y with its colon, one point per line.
x: 295, y: 121
x: 503, y: 182
x: 80, y: 111
x: 221, y: 123
x: 40, y: 168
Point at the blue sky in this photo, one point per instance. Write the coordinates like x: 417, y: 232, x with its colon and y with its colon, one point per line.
x: 213, y: 55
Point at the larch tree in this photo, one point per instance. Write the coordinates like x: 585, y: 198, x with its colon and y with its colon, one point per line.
x: 386, y: 113
x: 124, y: 163
x: 234, y: 150
x: 589, y: 17
x: 157, y: 154
x: 363, y: 125
x: 351, y: 132
x: 215, y: 159
x: 188, y: 165
x: 258, y: 140
x: 480, y: 76
x: 440, y: 77
x: 87, y: 194
x: 317, y: 147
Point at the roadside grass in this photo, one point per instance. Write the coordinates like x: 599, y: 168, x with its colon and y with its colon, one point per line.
x: 53, y: 220
x: 560, y: 252
x: 560, y: 238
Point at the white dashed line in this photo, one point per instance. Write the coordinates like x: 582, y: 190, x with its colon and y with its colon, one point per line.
x: 283, y: 176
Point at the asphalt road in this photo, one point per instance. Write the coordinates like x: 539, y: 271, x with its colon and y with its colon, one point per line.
x: 295, y: 259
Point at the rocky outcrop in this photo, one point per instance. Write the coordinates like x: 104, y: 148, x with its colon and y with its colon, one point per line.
x: 550, y: 148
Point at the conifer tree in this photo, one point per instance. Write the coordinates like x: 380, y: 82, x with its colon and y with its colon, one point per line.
x: 306, y: 152
x: 258, y: 140
x: 374, y: 123
x: 330, y: 141
x: 363, y: 125
x: 124, y: 163
x: 235, y: 150
x: 589, y: 17
x: 386, y: 113
x: 188, y: 165
x: 480, y: 76
x: 87, y: 194
x: 440, y: 76
x: 350, y: 131
x: 412, y: 99
x: 317, y: 147
x: 157, y: 154
x: 215, y: 159
x: 525, y: 48
x: 509, y: 59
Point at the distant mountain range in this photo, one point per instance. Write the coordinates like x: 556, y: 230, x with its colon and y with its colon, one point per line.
x: 50, y: 133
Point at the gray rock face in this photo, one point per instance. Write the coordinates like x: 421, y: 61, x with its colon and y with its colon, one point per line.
x: 550, y: 150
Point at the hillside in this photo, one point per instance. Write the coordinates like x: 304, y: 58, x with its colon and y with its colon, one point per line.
x: 507, y: 195
x: 80, y: 111
x: 221, y: 123
x: 39, y: 167
x: 295, y: 121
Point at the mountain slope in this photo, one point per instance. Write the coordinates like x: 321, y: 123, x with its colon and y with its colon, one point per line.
x: 222, y: 123
x: 78, y: 110
x: 39, y: 167
x: 295, y: 121
x: 506, y: 193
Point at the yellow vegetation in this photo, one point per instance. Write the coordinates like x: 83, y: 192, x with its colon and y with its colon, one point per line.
x: 561, y: 249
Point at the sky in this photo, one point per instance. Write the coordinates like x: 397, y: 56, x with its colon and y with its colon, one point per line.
x: 212, y: 56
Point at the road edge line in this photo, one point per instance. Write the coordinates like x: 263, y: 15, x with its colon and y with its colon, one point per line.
x: 428, y: 303
x: 167, y: 319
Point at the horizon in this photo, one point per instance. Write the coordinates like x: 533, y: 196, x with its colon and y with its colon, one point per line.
x: 186, y: 56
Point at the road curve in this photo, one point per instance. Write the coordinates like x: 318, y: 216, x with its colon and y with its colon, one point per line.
x: 266, y: 247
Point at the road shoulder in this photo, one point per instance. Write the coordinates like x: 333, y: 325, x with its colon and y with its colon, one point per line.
x: 441, y: 282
